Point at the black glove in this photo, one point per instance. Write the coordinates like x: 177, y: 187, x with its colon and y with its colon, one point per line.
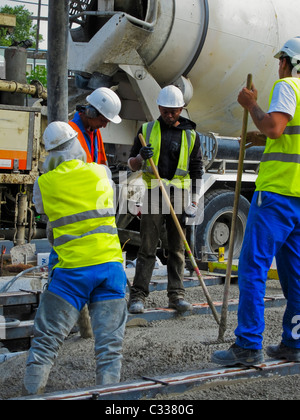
x: 147, y: 152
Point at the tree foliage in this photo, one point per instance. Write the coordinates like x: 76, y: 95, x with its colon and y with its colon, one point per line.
x: 40, y: 74
x: 25, y: 29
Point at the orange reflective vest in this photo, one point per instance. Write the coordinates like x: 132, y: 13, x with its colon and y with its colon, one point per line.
x: 102, y: 159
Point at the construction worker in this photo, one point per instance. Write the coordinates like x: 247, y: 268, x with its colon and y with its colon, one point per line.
x: 175, y: 148
x: 273, y: 226
x: 104, y: 107
x: 78, y: 199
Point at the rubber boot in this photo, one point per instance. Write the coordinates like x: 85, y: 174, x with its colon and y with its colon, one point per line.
x: 35, y: 380
x: 108, y: 322
x: 53, y: 322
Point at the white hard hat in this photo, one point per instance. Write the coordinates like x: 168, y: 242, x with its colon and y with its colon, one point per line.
x: 171, y: 97
x: 107, y: 103
x: 58, y: 133
x: 292, y: 49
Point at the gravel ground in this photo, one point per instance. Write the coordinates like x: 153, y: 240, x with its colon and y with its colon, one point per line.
x: 165, y: 347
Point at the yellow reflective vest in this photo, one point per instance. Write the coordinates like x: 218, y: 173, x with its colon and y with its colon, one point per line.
x: 280, y: 166
x: 79, y: 201
x: 152, y: 134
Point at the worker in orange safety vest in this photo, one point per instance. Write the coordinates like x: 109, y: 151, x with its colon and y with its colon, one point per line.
x: 103, y: 106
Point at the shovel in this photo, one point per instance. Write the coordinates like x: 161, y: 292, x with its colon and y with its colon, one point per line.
x: 224, y: 311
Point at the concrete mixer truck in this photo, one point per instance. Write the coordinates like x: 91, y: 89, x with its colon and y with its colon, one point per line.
x: 206, y: 48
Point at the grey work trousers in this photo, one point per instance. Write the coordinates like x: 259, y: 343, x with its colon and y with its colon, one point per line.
x: 151, y: 228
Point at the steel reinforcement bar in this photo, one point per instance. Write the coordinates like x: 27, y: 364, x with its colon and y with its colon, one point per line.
x: 151, y: 387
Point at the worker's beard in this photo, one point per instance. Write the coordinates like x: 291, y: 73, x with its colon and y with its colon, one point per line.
x: 171, y: 122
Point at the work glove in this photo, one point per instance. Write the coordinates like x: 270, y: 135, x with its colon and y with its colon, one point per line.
x: 191, y: 210
x: 147, y: 152
x: 189, y: 213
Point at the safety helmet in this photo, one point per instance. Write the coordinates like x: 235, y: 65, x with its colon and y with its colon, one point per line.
x: 292, y: 49
x: 107, y: 103
x: 58, y: 133
x: 171, y: 97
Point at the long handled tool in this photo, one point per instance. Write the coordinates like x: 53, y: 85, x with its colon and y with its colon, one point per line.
x: 223, y: 322
x: 182, y: 235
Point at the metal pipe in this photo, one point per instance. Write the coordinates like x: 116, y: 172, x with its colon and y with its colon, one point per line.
x: 38, y: 32
x: 58, y: 60
x: 15, y: 69
x: 15, y: 87
x: 21, y: 218
x: 132, y: 19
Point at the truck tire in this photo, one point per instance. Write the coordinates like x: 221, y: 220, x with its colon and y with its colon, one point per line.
x: 214, y: 232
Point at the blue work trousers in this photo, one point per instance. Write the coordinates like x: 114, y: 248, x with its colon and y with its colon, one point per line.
x: 85, y: 285
x: 273, y: 230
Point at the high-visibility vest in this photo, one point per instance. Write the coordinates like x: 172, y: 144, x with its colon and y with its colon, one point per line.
x: 280, y: 166
x: 102, y: 159
x: 79, y: 201
x: 181, y: 179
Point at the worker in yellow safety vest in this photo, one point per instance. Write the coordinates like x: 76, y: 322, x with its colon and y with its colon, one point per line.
x: 78, y: 199
x: 273, y: 225
x: 174, y: 145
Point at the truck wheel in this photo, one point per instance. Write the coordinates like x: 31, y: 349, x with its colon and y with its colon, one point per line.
x: 214, y: 232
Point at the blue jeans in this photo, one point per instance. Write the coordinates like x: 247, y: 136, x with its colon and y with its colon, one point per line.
x: 273, y: 230
x: 83, y: 285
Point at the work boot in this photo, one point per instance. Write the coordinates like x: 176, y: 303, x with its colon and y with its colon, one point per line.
x: 35, y: 380
x: 236, y: 355
x: 180, y: 305
x: 136, y: 307
x: 283, y: 352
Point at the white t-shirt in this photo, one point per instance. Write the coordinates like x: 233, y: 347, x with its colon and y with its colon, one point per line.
x: 283, y: 99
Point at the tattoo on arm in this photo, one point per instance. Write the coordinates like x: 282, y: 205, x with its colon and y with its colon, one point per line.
x: 257, y: 114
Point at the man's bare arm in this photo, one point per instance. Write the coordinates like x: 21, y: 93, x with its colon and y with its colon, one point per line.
x: 273, y: 124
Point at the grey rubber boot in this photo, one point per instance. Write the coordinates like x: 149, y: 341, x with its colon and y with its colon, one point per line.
x: 35, y: 380
x: 53, y: 322
x: 108, y: 322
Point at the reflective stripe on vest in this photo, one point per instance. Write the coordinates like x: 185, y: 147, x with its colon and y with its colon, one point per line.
x: 78, y: 200
x: 102, y: 159
x: 292, y: 130
x: 281, y: 157
x: 280, y: 165
x: 62, y: 240
x: 74, y: 218
x: 152, y: 134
